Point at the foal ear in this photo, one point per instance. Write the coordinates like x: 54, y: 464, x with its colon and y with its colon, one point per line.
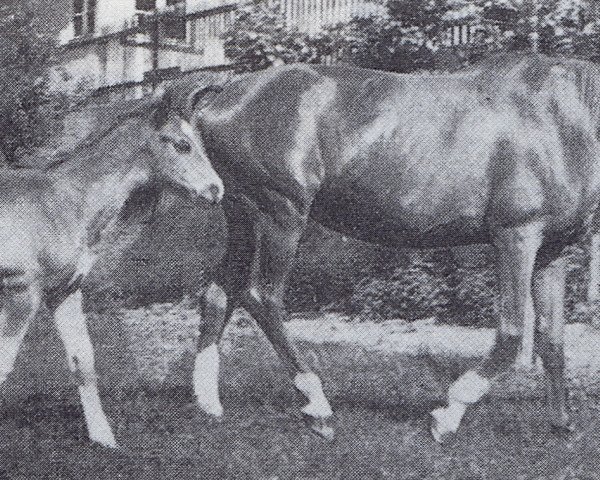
x: 159, y: 105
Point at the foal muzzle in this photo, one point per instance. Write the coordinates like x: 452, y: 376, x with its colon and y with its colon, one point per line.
x: 213, y: 193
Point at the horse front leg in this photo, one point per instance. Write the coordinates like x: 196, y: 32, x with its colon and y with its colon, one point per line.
x: 593, y: 291
x: 549, y: 292
x: 216, y: 312
x: 516, y: 253
x: 71, y: 325
x: 219, y: 301
x: 278, y: 241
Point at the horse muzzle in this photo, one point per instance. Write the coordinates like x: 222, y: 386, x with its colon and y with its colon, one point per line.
x: 213, y: 193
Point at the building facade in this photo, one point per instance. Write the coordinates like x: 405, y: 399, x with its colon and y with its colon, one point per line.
x: 111, y: 42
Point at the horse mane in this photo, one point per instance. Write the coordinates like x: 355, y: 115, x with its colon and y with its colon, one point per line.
x: 108, y: 118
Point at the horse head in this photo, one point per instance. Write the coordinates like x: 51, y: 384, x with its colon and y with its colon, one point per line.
x: 178, y: 152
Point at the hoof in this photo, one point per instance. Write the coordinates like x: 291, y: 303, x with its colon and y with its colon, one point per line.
x: 108, y: 442
x: 101, y: 434
x: 439, y: 429
x: 210, y: 416
x: 440, y: 435
x: 319, y: 427
x: 211, y: 410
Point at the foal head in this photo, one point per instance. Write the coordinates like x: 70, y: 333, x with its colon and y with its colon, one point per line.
x: 177, y: 156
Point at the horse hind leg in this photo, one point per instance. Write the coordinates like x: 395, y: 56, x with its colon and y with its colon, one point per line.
x: 71, y: 325
x: 517, y: 249
x: 264, y: 301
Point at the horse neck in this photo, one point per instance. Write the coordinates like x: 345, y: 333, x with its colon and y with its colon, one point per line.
x: 98, y: 188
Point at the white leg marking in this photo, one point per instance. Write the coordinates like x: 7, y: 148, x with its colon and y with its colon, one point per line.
x: 309, y: 384
x: 468, y: 389
x: 71, y: 325
x: 98, y: 428
x: 526, y: 356
x: 206, y: 381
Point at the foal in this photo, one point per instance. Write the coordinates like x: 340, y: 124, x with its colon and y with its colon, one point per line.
x: 50, y: 222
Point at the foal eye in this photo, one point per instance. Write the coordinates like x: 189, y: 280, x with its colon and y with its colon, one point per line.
x: 182, y: 146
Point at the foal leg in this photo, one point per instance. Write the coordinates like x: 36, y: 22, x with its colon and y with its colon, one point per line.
x: 549, y: 291
x: 517, y: 248
x: 264, y: 301
x: 71, y: 325
x: 219, y: 302
x: 20, y: 307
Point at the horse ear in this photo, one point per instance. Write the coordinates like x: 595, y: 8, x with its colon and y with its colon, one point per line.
x: 159, y: 105
x: 198, y: 94
x: 184, y: 95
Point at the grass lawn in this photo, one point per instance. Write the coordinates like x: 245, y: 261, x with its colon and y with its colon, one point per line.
x: 381, y: 404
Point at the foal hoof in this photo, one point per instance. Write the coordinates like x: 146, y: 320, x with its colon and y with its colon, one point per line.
x: 319, y: 427
x: 209, y: 417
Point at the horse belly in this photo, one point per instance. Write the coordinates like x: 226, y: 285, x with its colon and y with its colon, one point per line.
x: 402, y: 219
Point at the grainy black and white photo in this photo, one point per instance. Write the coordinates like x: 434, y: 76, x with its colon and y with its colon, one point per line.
x: 300, y: 239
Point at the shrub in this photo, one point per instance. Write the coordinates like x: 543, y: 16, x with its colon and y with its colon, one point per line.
x: 29, y: 112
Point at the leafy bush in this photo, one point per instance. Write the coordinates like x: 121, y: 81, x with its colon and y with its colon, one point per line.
x: 411, y: 35
x: 259, y: 37
x: 29, y: 112
x: 411, y: 292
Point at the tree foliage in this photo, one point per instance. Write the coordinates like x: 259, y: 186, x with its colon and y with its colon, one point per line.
x: 260, y: 38
x: 28, y: 110
x: 408, y: 35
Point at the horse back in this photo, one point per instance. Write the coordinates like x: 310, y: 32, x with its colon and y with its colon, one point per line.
x: 412, y: 159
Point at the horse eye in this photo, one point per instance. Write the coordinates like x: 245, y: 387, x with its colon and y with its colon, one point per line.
x: 182, y: 146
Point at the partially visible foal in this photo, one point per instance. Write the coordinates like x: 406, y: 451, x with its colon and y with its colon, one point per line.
x: 51, y: 220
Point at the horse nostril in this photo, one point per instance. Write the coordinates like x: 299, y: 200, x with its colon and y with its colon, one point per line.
x: 215, y: 192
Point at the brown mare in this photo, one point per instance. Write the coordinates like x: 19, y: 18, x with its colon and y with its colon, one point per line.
x: 52, y: 221
x: 505, y: 154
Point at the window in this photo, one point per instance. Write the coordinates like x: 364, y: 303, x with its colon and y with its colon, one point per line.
x: 78, y: 17
x: 145, y: 5
x: 174, y: 27
x: 84, y: 17
x: 91, y: 16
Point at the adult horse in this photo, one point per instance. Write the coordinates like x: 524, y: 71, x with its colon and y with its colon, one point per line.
x: 505, y: 154
x: 52, y: 220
